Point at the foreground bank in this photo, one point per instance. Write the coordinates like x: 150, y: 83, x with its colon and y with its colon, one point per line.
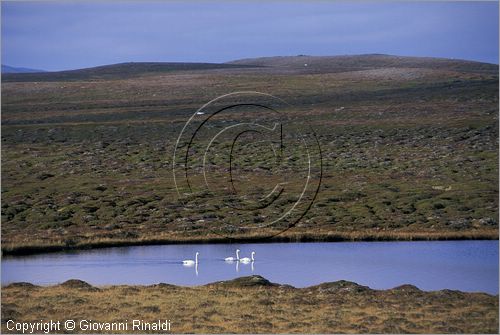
x: 253, y: 304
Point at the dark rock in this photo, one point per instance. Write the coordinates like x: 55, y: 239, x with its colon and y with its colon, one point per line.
x: 79, y: 284
x: 488, y: 222
x: 248, y: 281
x: 164, y: 286
x: 21, y: 285
x: 44, y: 176
x: 446, y: 294
x: 407, y: 288
x: 459, y: 224
x: 341, y: 286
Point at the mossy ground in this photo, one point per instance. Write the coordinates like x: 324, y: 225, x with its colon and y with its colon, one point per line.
x: 407, y: 152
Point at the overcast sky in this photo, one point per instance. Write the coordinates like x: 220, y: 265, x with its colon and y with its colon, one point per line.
x: 68, y: 35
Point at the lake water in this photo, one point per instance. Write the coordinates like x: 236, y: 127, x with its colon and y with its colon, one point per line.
x: 461, y: 265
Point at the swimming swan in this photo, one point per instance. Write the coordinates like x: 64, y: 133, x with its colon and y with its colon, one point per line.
x: 247, y: 260
x: 232, y: 259
x: 190, y: 262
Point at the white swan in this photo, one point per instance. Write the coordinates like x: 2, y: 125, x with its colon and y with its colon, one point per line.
x: 190, y: 262
x: 232, y: 259
x: 247, y: 260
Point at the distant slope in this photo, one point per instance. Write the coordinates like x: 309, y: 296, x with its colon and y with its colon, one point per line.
x: 11, y: 69
x: 333, y: 64
x: 270, y: 65
x: 121, y: 70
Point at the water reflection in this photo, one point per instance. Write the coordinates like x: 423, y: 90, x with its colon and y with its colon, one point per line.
x: 461, y: 265
x: 238, y: 264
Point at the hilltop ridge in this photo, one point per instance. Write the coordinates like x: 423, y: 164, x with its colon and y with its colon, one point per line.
x: 12, y: 69
x: 345, y: 63
x: 301, y: 64
x: 117, y: 71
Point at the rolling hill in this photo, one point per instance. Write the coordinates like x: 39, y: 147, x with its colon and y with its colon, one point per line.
x: 271, y: 65
x: 335, y: 64
x: 11, y: 69
x: 116, y: 71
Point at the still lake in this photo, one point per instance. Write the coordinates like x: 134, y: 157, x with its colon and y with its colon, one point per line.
x: 460, y: 265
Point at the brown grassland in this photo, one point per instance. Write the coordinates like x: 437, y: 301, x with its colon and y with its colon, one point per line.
x: 254, y: 305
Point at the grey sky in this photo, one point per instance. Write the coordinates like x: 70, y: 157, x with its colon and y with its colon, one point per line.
x: 67, y: 35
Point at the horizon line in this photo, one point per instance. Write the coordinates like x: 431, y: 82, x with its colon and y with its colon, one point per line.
x: 239, y: 59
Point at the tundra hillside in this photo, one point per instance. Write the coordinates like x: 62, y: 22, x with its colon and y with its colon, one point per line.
x: 410, y: 149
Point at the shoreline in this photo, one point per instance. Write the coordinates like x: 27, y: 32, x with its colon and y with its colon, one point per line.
x: 243, y: 281
x: 34, y: 249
